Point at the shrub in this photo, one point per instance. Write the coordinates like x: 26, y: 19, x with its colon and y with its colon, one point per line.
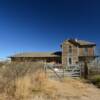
x: 95, y: 80
x: 11, y: 72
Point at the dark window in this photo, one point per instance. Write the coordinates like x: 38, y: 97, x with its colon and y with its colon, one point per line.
x: 70, y: 49
x: 70, y: 61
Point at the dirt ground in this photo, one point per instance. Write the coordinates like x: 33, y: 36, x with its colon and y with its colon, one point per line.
x: 70, y: 89
x: 67, y: 89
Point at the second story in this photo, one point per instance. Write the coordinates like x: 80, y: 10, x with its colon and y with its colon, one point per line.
x: 75, y: 47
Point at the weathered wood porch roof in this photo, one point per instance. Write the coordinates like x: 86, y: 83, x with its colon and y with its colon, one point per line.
x: 38, y: 54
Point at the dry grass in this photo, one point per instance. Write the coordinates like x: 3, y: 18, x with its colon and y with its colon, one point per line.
x: 37, y: 86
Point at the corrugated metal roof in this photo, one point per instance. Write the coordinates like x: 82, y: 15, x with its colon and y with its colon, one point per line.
x: 36, y: 54
x: 80, y: 42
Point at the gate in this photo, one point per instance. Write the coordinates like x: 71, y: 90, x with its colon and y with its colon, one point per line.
x: 55, y: 72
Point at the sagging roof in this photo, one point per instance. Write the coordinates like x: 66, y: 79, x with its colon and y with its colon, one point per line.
x: 38, y: 54
x: 80, y: 42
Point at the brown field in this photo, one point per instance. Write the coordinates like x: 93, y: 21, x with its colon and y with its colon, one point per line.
x: 27, y: 81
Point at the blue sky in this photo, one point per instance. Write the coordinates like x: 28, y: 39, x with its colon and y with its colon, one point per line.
x: 42, y: 25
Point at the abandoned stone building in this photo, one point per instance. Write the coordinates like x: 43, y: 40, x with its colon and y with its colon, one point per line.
x: 72, y: 52
x: 75, y: 51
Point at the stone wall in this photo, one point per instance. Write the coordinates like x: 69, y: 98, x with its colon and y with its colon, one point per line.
x: 66, y: 55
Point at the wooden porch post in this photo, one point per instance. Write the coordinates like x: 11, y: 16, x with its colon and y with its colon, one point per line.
x: 85, y: 70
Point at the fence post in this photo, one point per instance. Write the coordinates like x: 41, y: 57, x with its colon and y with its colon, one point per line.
x: 63, y: 71
x: 45, y: 68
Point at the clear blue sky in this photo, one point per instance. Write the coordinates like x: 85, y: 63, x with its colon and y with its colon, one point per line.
x: 42, y: 25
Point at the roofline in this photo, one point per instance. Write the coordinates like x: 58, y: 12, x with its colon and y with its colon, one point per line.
x: 35, y: 57
x: 52, y: 54
x: 76, y: 43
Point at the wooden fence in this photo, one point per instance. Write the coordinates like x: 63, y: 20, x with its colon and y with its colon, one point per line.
x: 57, y: 72
x: 76, y: 71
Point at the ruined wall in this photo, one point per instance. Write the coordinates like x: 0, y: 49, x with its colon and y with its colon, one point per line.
x: 89, y: 53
